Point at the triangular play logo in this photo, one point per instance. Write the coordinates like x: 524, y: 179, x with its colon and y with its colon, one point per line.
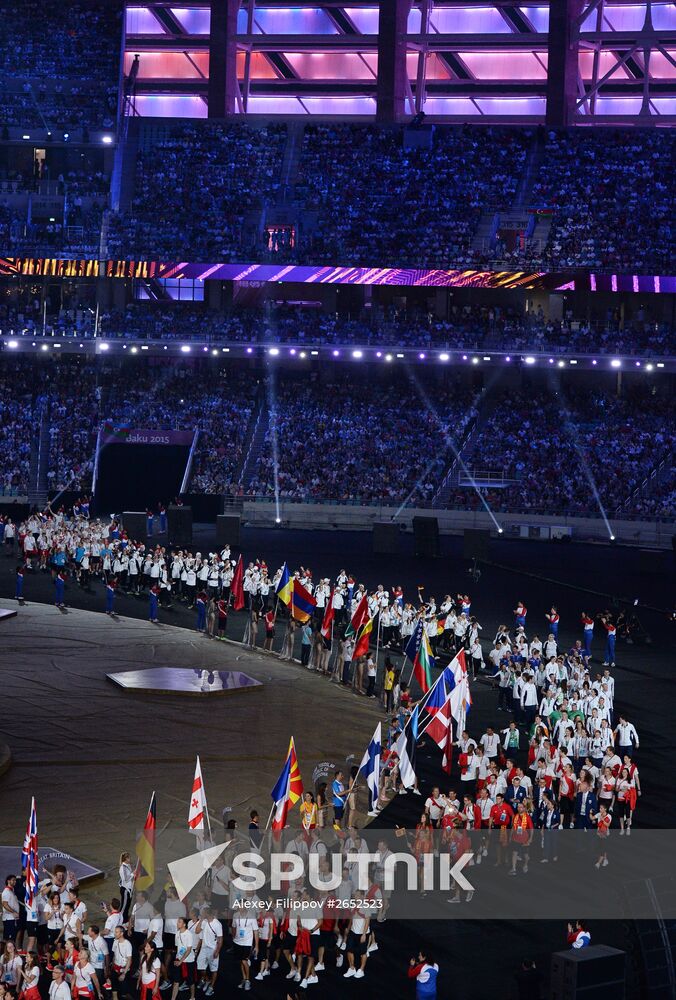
x: 186, y: 872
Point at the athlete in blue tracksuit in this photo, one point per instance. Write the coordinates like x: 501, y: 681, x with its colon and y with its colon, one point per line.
x: 611, y: 633
x: 59, y: 589
x: 201, y: 605
x: 154, y: 596
x: 425, y: 973
x: 18, y: 593
x: 110, y: 596
x: 553, y: 619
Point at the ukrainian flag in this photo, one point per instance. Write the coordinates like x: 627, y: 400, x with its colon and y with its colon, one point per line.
x: 284, y: 587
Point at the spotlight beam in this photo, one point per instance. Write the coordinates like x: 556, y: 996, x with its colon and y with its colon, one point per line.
x: 449, y: 440
x: 274, y: 440
x: 572, y: 431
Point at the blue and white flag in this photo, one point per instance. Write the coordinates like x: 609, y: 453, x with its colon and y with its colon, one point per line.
x: 370, y: 768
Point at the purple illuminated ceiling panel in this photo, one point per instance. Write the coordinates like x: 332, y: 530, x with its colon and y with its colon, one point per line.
x: 336, y: 275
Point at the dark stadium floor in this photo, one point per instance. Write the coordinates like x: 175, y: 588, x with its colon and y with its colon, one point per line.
x: 527, y: 571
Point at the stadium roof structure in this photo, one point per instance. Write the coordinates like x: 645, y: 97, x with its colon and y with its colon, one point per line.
x: 563, y: 62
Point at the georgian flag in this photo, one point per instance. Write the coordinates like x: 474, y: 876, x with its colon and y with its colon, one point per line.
x: 198, y: 803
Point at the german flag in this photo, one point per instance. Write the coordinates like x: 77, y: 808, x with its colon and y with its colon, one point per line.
x: 144, y: 875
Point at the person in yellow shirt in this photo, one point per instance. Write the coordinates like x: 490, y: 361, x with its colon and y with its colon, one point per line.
x: 308, y: 812
x: 388, y: 685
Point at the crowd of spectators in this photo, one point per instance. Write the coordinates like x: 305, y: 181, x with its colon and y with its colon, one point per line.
x: 468, y: 327
x: 613, y: 195
x: 379, y: 203
x: 195, y: 192
x: 219, y: 405
x: 361, y: 441
x: 16, y: 432
x: 365, y: 442
x: 59, y: 64
x: 568, y: 454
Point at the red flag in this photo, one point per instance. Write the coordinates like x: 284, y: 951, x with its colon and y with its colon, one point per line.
x: 438, y: 727
x: 238, y: 586
x: 360, y: 617
x: 447, y: 759
x: 327, y: 621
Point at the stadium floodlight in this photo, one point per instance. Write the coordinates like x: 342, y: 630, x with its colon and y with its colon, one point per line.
x: 572, y: 361
x: 303, y: 354
x: 500, y: 531
x: 508, y: 358
x: 357, y: 355
x: 388, y: 357
x: 551, y: 361
x: 443, y: 357
x: 249, y: 350
x: 314, y: 353
x: 185, y: 349
x: 44, y: 347
x: 104, y: 347
x: 660, y: 364
x: 530, y: 360
x: 292, y: 351
x: 12, y: 344
x: 594, y: 361
x: 274, y: 351
x: 475, y: 361
x: 464, y: 357
x: 400, y: 355
x: 648, y: 367
x: 336, y: 354
x: 107, y: 140
x: 486, y: 358
x: 215, y: 352
x: 25, y: 137
x: 616, y: 363
x: 379, y: 354
x: 225, y: 350
x: 134, y: 350
x: 422, y: 355
x: 561, y: 364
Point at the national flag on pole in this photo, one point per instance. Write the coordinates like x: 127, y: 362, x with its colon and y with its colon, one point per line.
x: 361, y: 646
x: 461, y: 698
x: 405, y: 747
x: 327, y: 622
x: 370, y: 768
x: 144, y: 875
x: 288, y: 789
x: 29, y: 857
x: 437, y: 696
x: 237, y: 586
x: 302, y: 602
x: 359, y: 618
x: 419, y: 653
x: 198, y: 802
x: 441, y: 731
x: 284, y: 587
